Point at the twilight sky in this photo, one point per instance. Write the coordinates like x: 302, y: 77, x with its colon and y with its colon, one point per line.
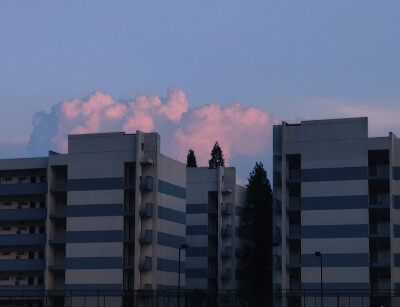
x: 195, y: 71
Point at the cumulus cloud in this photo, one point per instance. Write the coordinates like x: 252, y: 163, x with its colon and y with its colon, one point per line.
x: 241, y: 131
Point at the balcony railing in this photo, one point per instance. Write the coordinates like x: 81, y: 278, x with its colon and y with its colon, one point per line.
x: 381, y: 285
x: 59, y: 185
x: 146, y: 183
x: 379, y: 199
x: 227, y: 252
x: 294, y: 202
x: 128, y: 261
x: 379, y: 228
x: 378, y: 170
x: 227, y: 231
x: 226, y: 274
x: 227, y: 209
x: 294, y: 230
x: 146, y: 237
x: 294, y: 173
x: 146, y: 264
x: 381, y: 257
x: 212, y: 208
x: 59, y: 237
x: 59, y: 211
x: 294, y: 258
x: 146, y: 210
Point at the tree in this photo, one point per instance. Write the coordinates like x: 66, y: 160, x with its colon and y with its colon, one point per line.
x: 258, y: 224
x: 217, y: 157
x: 191, y: 159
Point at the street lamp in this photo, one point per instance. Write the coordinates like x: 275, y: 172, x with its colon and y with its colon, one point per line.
x: 179, y: 271
x: 318, y: 254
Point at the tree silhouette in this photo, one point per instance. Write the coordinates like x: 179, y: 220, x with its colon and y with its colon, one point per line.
x: 191, y: 159
x: 258, y: 225
x: 217, y: 157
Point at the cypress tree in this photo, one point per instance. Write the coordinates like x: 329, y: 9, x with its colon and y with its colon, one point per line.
x: 191, y: 159
x: 217, y: 157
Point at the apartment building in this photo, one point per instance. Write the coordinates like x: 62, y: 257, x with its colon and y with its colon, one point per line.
x: 336, y: 202
x: 214, y: 209
x: 108, y: 215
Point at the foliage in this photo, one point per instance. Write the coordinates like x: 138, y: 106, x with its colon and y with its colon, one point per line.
x: 191, y: 159
x: 258, y: 225
x: 217, y: 157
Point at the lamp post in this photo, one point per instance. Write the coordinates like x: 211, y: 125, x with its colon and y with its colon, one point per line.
x: 179, y: 271
x: 318, y: 254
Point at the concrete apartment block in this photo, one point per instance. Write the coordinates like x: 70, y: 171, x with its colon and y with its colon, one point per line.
x: 108, y: 215
x: 213, y: 216
x: 337, y: 192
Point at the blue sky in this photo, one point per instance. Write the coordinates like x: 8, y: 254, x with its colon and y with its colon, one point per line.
x: 292, y: 59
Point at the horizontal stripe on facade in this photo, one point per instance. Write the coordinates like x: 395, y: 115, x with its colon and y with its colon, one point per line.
x: 94, y: 236
x: 22, y: 265
x: 336, y: 286
x: 396, y: 201
x: 396, y: 260
x: 196, y: 251
x: 23, y: 214
x: 335, y: 231
x: 95, y: 184
x: 93, y: 263
x: 80, y: 288
x: 196, y: 273
x: 14, y: 290
x: 334, y: 202
x: 171, y: 215
x: 396, y: 173
x: 171, y: 189
x: 396, y: 231
x: 193, y: 230
x: 334, y: 174
x: 196, y: 208
x: 170, y: 240
x: 23, y: 188
x: 167, y: 265
x: 335, y: 260
x: 18, y: 240
x: 95, y: 210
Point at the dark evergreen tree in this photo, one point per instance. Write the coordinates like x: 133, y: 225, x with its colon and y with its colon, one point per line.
x: 217, y: 157
x: 191, y: 159
x: 258, y: 227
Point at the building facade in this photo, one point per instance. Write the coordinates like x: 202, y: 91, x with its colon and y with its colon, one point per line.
x: 213, y: 215
x: 336, y: 201
x: 108, y: 215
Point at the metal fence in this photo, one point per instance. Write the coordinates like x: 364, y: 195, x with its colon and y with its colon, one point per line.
x: 199, y: 298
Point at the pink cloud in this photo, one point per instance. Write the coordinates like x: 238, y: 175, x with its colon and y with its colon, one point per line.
x: 241, y: 131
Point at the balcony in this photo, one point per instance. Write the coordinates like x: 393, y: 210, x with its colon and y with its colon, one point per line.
x: 227, y: 231
x: 212, y: 208
x: 129, y: 208
x: 278, y: 205
x: 227, y: 252
x: 378, y: 170
x: 380, y: 258
x: 22, y: 240
x: 58, y: 212
x: 22, y: 214
x: 146, y: 183
x: 146, y: 264
x: 294, y: 174
x: 58, y: 238
x: 383, y: 284
x: 57, y: 264
x: 294, y: 203
x: 379, y: 230
x: 379, y: 200
x: 128, y: 263
x: 146, y: 237
x: 146, y: 210
x: 278, y: 261
x: 227, y: 209
x: 59, y: 186
x: 226, y: 274
x: 294, y: 259
x: 294, y: 231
